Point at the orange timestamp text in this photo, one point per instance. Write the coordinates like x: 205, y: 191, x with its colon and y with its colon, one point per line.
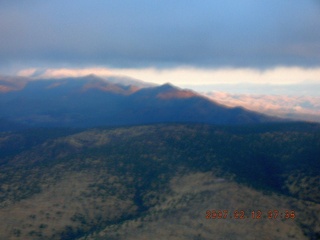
x: 251, y: 214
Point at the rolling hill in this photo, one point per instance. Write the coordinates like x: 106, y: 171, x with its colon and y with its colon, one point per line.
x: 163, y: 181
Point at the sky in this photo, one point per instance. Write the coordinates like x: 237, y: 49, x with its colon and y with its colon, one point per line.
x: 203, y: 45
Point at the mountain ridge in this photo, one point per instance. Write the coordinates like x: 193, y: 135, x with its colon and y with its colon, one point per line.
x: 92, y: 101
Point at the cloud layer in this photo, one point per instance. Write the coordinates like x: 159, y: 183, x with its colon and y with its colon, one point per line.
x: 195, y: 78
x: 296, y: 107
x: 222, y: 33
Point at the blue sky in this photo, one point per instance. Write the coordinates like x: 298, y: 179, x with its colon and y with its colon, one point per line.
x: 153, y: 39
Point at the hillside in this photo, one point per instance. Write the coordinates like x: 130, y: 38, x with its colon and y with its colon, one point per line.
x: 93, y: 102
x: 160, y: 181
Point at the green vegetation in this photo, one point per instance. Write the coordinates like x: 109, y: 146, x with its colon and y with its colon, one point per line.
x: 120, y: 183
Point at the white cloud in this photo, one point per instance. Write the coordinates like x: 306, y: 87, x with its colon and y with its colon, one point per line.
x: 298, y: 107
x: 194, y: 76
x: 63, y: 72
x: 27, y: 72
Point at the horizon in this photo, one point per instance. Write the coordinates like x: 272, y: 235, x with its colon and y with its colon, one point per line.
x: 245, y: 48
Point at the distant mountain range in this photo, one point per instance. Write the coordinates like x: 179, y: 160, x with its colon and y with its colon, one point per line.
x: 92, y: 101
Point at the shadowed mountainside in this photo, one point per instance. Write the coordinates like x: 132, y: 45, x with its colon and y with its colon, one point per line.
x: 91, y: 101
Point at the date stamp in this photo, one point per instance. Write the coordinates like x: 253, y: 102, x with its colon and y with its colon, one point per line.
x: 251, y: 214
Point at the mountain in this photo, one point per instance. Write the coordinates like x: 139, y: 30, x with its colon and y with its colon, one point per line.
x: 91, y: 101
x: 163, y: 181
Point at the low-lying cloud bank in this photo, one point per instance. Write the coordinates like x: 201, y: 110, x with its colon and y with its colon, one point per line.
x: 189, y: 75
x: 295, y: 107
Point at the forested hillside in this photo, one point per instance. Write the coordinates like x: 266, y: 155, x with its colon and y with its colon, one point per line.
x: 160, y: 181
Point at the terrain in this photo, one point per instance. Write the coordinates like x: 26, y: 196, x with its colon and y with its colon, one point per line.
x: 161, y: 181
x: 91, y: 158
x: 92, y: 102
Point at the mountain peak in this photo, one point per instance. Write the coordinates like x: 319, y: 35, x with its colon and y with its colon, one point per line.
x: 166, y: 91
x: 169, y: 91
x: 168, y: 85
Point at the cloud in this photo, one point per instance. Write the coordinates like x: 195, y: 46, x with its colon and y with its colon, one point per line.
x: 281, y: 80
x: 191, y: 76
x: 296, y: 107
x: 63, y: 72
x: 130, y: 34
x: 29, y: 72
